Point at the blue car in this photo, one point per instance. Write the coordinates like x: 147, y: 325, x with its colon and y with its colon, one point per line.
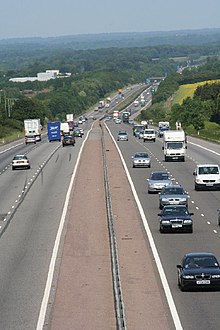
x: 175, y: 218
x: 199, y: 270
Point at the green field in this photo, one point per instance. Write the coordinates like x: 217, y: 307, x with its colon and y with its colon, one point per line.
x: 188, y: 90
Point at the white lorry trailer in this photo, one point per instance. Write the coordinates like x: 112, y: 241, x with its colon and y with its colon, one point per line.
x: 33, y: 126
x: 174, y: 145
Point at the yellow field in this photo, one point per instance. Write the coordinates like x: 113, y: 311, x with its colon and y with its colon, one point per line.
x: 188, y: 90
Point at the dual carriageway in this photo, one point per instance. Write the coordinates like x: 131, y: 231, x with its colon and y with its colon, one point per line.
x: 32, y: 203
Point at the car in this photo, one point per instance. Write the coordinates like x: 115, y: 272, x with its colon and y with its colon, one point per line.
x: 149, y: 135
x: 30, y: 138
x: 198, y: 270
x: 162, y: 130
x: 173, y: 195
x: 122, y: 136
x: 117, y: 120
x: 158, y: 180
x: 175, y: 218
x: 207, y: 176
x: 141, y: 159
x: 137, y: 129
x: 68, y: 140
x: 77, y: 133
x: 20, y: 161
x: 81, y: 130
x: 141, y: 135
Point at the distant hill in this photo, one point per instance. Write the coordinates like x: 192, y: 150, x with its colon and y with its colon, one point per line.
x: 121, y: 40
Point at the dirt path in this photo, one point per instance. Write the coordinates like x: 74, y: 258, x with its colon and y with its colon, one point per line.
x: 84, y: 292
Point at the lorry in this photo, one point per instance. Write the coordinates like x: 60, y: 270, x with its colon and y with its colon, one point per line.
x: 64, y: 128
x: 69, y: 117
x: 33, y: 127
x: 125, y: 116
x: 174, y: 145
x: 101, y: 105
x: 53, y: 131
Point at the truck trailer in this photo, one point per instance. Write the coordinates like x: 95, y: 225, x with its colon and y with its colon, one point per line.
x: 53, y: 131
x: 174, y: 145
x: 33, y: 126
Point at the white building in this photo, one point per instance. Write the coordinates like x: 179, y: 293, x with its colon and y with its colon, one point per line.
x: 42, y: 76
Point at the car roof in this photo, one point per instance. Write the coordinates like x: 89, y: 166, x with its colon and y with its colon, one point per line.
x: 175, y: 206
x: 141, y: 152
x: 197, y: 254
x: 174, y: 186
x: 202, y: 165
x: 160, y: 172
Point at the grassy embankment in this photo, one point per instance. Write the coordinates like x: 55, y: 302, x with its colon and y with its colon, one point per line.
x: 211, y: 130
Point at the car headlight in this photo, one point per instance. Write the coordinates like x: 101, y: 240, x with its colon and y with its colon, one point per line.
x: 165, y: 200
x: 188, y: 221
x: 218, y: 181
x: 165, y: 221
x: 198, y: 180
x: 188, y: 277
x: 182, y: 199
x: 215, y: 276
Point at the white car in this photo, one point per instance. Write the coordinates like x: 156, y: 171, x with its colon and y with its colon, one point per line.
x: 20, y: 161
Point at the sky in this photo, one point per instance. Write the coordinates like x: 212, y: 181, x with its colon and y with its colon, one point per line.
x: 52, y: 18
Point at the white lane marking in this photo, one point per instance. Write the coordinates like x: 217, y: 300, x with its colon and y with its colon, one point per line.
x: 202, y: 215
x: 45, y: 299
x: 209, y: 223
x: 17, y: 145
x: 197, y: 207
x: 207, y: 149
x: 215, y: 231
x: 164, y: 281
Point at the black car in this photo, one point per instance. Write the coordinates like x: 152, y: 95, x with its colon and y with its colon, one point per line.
x: 68, y: 140
x: 199, y: 271
x: 175, y: 218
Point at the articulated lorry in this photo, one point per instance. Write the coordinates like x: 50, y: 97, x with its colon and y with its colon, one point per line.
x: 174, y: 145
x: 53, y: 131
x: 33, y: 127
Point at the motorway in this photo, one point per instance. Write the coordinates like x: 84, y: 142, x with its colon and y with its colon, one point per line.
x: 196, y: 310
x: 31, y: 204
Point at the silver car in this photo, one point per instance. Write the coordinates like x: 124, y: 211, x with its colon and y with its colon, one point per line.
x: 173, y: 195
x: 122, y: 136
x: 141, y: 159
x: 158, y: 180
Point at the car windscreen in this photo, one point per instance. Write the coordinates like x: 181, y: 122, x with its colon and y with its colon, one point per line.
x: 141, y: 155
x: 173, y: 191
x: 201, y: 261
x: 175, y: 211
x: 159, y: 176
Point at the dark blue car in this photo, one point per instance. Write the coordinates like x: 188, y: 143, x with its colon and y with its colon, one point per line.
x: 199, y: 270
x: 175, y: 218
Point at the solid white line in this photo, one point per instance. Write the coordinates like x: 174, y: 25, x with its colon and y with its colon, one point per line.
x: 164, y: 281
x: 197, y: 145
x: 44, y: 302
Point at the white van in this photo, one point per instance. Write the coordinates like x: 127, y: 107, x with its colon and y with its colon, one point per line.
x: 207, y: 176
